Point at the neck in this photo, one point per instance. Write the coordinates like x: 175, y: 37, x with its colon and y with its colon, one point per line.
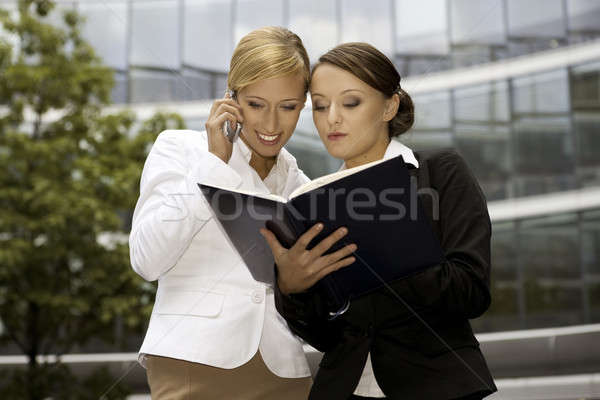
x: 262, y: 165
x: 374, y: 153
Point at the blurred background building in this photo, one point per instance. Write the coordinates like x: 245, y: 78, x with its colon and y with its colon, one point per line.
x: 513, y: 85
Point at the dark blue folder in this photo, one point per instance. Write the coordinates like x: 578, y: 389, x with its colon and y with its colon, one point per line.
x: 378, y: 205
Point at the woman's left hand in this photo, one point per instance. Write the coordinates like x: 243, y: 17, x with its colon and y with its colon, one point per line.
x: 299, y: 268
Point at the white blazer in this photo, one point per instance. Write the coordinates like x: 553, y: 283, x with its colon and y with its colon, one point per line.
x: 208, y: 308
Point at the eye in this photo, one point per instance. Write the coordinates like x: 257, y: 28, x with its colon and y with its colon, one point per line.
x: 318, y: 107
x: 351, y: 104
x: 289, y: 107
x: 254, y: 104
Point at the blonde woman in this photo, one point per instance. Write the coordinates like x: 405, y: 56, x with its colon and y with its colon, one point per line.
x: 214, y: 332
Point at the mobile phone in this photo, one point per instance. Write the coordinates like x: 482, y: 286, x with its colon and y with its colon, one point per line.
x: 230, y: 132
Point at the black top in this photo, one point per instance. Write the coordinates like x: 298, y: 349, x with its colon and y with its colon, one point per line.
x: 421, y: 342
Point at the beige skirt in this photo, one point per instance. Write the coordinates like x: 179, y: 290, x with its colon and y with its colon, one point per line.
x: 172, y: 379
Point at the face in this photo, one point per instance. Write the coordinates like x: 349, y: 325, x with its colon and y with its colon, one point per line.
x: 271, y: 109
x: 351, y: 116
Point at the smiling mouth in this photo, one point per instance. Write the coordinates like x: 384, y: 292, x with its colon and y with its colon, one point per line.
x: 268, y: 139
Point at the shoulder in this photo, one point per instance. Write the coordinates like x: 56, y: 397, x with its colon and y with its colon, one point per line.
x: 177, y: 147
x: 449, y: 172
x: 187, y: 136
x: 444, y: 162
x: 180, y: 142
x: 291, y: 166
x: 445, y: 155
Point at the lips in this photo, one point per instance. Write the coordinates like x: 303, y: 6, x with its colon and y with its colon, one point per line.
x: 268, y: 140
x: 336, y: 136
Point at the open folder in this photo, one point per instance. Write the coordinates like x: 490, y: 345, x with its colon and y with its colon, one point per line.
x: 378, y: 204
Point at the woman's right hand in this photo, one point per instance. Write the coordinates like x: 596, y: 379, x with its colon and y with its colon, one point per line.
x: 225, y: 109
x: 299, y: 268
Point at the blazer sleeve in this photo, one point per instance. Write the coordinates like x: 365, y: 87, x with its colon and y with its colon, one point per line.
x: 461, y: 284
x: 171, y: 209
x: 306, y: 316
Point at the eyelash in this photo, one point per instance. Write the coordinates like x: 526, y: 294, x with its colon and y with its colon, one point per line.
x: 257, y: 106
x: 351, y: 105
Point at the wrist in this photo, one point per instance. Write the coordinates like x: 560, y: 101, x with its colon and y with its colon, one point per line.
x: 222, y: 156
x: 283, y: 288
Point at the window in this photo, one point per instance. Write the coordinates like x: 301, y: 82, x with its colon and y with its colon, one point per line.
x: 525, y: 18
x: 432, y: 111
x: 253, y: 14
x: 106, y: 30
x: 487, y: 102
x: 479, y: 21
x: 155, y: 34
x: 549, y: 255
x: 367, y: 22
x: 315, y: 22
x: 543, y: 146
x: 415, y: 37
x: 487, y: 150
x: 152, y: 86
x: 584, y: 15
x: 208, y: 34
x: 546, y: 92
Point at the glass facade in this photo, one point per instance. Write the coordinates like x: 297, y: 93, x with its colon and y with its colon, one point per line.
x: 530, y: 134
x: 545, y: 272
x: 526, y: 135
x: 177, y: 36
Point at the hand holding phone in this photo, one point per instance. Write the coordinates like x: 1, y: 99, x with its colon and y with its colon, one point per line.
x: 219, y: 134
x: 230, y: 132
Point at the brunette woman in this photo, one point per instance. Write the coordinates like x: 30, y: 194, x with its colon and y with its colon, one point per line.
x: 413, y: 339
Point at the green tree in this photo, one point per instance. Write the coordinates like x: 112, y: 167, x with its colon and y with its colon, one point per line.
x: 67, y: 188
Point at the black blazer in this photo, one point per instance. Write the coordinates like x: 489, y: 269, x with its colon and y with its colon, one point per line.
x: 422, y: 345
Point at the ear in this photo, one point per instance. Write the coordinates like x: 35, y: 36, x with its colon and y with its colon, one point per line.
x: 391, y: 107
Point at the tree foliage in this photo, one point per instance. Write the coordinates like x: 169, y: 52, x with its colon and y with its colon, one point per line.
x: 69, y: 181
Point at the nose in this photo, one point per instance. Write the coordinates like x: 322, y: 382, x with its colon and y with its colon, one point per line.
x: 271, y: 122
x: 333, y: 116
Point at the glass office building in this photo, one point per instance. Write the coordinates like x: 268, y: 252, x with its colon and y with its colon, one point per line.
x: 516, y: 91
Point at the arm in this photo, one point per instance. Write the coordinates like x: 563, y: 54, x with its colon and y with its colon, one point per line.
x: 306, y: 316
x: 461, y: 284
x: 170, y: 210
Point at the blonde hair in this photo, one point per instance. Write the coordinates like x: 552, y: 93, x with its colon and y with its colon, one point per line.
x: 265, y: 53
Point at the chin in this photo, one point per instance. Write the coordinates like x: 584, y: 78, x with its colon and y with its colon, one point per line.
x: 266, y: 151
x: 337, y: 152
x: 270, y: 152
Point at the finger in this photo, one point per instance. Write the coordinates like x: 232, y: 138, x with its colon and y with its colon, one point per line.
x: 329, y: 241
x: 309, y: 235
x: 225, y: 107
x: 341, y: 253
x: 276, y: 248
x: 217, y: 103
x: 220, y: 120
x: 230, y: 102
x: 333, y: 267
